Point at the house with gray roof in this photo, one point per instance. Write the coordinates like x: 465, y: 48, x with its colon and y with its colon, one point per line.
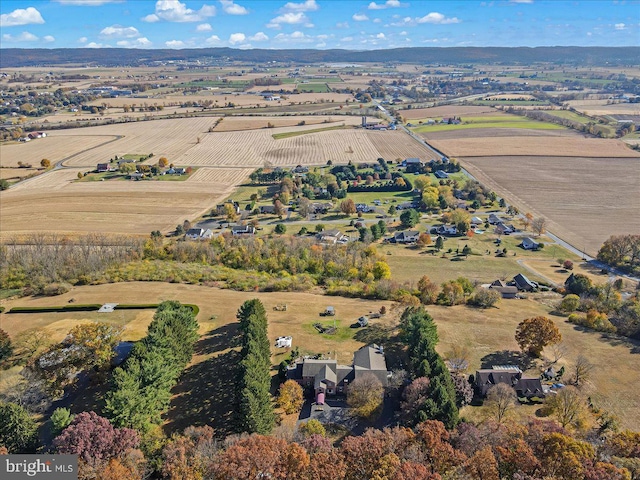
x: 328, y: 377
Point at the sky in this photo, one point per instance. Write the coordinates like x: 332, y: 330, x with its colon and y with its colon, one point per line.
x: 318, y: 24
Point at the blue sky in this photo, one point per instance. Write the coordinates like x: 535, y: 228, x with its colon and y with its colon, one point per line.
x: 322, y: 24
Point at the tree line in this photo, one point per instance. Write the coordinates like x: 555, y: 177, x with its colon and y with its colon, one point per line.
x: 141, y: 389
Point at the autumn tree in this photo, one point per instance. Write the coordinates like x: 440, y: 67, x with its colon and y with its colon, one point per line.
x: 440, y: 456
x: 461, y: 219
x: 430, y: 196
x: 533, y: 334
x: 291, y: 397
x: 464, y: 390
x: 527, y: 220
x: 365, y: 396
x: 424, y: 239
x: 312, y: 428
x: 485, y: 298
x: 413, y: 398
x: 381, y: 271
x: 568, y: 407
x: 230, y: 212
x: 18, y: 431
x: 428, y: 290
x: 95, y: 440
x: 500, y: 402
x: 563, y: 457
x: 163, y: 162
x: 348, y: 207
x: 45, y: 163
x: 189, y: 455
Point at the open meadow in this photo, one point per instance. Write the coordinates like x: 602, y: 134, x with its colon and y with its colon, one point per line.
x: 201, y: 398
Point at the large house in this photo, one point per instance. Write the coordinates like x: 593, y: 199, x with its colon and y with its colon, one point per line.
x: 331, y: 237
x: 529, y: 244
x: 408, y: 236
x: 523, y: 283
x: 505, y: 290
x: 512, y: 376
x: 327, y: 377
x: 198, y: 234
x: 243, y: 230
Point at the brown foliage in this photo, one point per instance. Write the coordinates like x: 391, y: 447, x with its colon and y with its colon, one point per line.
x: 439, y: 455
x: 533, y: 334
x: 482, y: 466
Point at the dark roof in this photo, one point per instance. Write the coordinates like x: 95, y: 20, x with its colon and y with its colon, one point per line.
x: 485, y: 379
x: 529, y: 387
x: 311, y: 367
x: 523, y: 283
x: 498, y: 283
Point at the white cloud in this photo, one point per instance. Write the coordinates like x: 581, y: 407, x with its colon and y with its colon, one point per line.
x: 49, y: 38
x: 97, y: 45
x: 259, y: 37
x: 174, y: 11
x: 321, y: 45
x: 23, y: 37
x: 204, y: 27
x: 380, y: 36
x: 213, y: 40
x: 387, y: 4
x: 520, y: 1
x: 137, y: 43
x: 233, y: 8
x: 342, y: 25
x: 347, y: 39
x: 289, y: 18
x: 296, y: 36
x: 87, y: 3
x: 21, y: 16
x: 237, y: 38
x: 175, y: 44
x: 619, y: 26
x: 437, y: 18
x: 358, y: 17
x: 403, y: 33
x: 82, y: 40
x: 377, y: 20
x: 307, y: 6
x: 118, y: 31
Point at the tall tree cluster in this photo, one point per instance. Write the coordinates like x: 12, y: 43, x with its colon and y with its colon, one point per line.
x: 420, y: 334
x: 142, y: 387
x: 255, y: 408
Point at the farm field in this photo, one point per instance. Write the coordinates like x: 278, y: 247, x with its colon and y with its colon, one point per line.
x: 55, y: 146
x: 492, y: 122
x: 582, y: 199
x: 600, y: 107
x: 56, y: 203
x: 393, y: 144
x: 474, y: 143
x: 198, y: 399
x: 16, y: 173
x: 230, y: 124
x: 447, y: 111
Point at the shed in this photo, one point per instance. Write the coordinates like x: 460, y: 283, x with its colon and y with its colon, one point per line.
x: 283, y: 342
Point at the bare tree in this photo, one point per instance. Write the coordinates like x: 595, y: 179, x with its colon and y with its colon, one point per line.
x: 539, y: 226
x: 458, y: 358
x: 567, y: 406
x: 501, y: 401
x: 558, y: 351
x: 582, y: 371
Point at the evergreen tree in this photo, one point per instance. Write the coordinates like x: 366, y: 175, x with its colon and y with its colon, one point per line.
x: 420, y: 334
x: 255, y: 407
x: 18, y: 431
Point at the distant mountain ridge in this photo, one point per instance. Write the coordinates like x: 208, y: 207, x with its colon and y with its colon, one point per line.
x: 112, y: 57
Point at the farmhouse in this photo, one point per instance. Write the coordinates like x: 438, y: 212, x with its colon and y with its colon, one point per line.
x: 475, y: 221
x: 512, y: 376
x: 102, y: 167
x: 523, y: 283
x: 410, y: 236
x: 411, y: 161
x: 441, y: 174
x: 447, y: 230
x: 505, y: 290
x: 198, y: 234
x: 504, y: 229
x: 494, y: 219
x: 529, y: 244
x: 243, y: 230
x: 317, y: 208
x: 327, y: 377
x: 331, y: 237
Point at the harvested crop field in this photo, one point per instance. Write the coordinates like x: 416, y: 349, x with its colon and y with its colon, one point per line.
x: 448, y: 111
x: 600, y: 107
x: 472, y: 143
x: 53, y: 202
x: 221, y: 176
x: 254, y: 148
x: 585, y: 199
x: 393, y: 144
x: 231, y: 124
x: 55, y: 146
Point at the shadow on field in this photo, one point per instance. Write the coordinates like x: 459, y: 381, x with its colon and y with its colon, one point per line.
x: 507, y: 357
x: 206, y: 392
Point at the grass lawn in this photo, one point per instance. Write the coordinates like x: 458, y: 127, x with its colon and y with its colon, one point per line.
x: 391, y: 197
x: 99, y: 177
x: 133, y: 156
x: 523, y: 103
x: 575, y: 117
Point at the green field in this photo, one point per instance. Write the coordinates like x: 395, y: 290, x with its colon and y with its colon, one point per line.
x: 498, y: 121
x: 574, y: 117
x: 523, y: 103
x: 390, y: 197
x: 313, y: 87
